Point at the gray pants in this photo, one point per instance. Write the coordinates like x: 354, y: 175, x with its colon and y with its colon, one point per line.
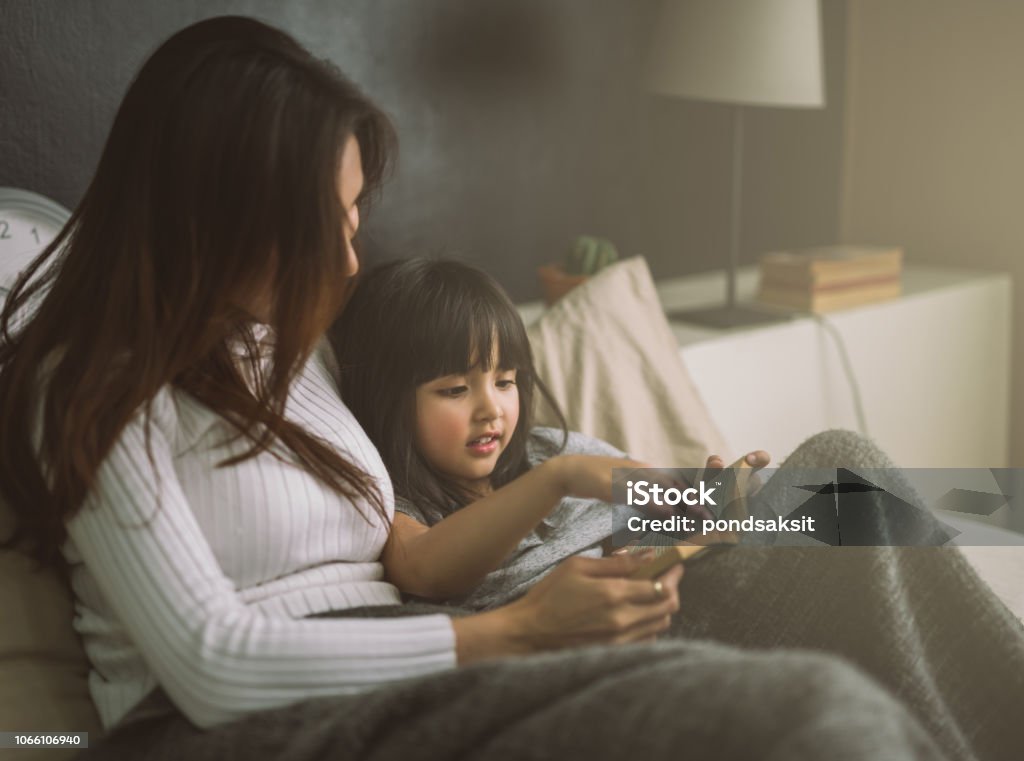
x: 778, y: 653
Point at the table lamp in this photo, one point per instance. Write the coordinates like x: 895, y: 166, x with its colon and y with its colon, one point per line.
x: 742, y: 53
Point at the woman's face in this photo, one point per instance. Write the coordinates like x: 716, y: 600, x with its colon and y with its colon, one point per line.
x: 464, y: 422
x: 350, y: 186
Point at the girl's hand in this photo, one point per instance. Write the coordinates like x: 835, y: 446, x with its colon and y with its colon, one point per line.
x: 756, y: 459
x: 588, y: 476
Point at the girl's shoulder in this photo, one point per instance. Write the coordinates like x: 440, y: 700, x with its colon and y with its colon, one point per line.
x: 545, y: 443
x: 428, y: 515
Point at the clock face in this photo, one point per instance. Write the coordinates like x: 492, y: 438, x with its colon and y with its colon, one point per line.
x: 28, y: 223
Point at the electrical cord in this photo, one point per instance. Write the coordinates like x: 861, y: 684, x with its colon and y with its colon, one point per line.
x: 851, y: 378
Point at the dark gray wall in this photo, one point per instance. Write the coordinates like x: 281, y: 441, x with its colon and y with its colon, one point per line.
x: 522, y: 124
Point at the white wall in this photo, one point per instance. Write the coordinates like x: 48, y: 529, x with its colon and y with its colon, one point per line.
x: 934, y: 141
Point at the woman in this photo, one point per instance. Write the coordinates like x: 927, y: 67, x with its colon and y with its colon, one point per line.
x: 171, y: 433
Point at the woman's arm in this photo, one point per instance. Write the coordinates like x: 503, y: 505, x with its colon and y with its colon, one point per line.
x: 584, y: 601
x: 220, y: 659
x: 451, y: 557
x: 216, y: 657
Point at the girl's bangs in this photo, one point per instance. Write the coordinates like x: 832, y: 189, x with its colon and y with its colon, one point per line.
x: 468, y: 332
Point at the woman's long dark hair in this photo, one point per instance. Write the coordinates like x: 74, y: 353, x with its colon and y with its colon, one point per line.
x: 219, y: 176
x: 409, y: 322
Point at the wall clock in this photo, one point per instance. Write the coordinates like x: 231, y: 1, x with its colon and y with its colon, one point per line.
x: 28, y: 223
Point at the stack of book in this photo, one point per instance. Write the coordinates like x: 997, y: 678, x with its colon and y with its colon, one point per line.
x: 829, y: 278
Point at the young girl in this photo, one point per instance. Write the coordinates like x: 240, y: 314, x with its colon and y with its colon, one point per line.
x: 436, y: 365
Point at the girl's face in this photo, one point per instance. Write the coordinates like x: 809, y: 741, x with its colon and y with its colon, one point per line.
x: 464, y: 422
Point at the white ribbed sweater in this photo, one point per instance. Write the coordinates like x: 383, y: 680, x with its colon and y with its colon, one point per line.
x: 197, y: 578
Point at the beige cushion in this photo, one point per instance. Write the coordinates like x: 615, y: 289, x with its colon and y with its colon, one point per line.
x: 609, y: 357
x: 43, y: 669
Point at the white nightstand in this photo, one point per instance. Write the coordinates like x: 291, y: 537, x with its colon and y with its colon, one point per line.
x: 932, y: 367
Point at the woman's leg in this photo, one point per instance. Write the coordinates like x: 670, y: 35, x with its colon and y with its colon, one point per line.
x: 917, y: 619
x: 671, y: 700
x: 856, y: 494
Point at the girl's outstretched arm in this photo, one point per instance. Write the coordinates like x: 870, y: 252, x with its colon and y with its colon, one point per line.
x: 451, y: 557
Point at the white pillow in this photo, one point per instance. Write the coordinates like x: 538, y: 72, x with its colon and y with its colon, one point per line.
x: 609, y: 357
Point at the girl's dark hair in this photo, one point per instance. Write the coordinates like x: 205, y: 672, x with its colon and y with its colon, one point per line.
x: 220, y: 174
x: 409, y: 322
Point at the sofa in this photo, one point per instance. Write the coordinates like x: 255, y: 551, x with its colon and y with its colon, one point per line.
x: 608, y: 336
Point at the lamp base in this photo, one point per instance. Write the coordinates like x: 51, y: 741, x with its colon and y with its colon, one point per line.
x: 728, y: 317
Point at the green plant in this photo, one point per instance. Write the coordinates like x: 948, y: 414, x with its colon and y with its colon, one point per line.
x: 588, y: 255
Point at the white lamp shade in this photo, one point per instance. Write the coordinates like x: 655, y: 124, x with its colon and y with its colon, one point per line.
x: 749, y: 52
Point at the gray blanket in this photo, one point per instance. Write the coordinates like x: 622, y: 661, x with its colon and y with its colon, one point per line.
x: 929, y: 665
x: 778, y: 653
x: 694, y: 700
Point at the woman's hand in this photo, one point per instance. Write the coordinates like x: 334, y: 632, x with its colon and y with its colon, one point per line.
x: 584, y: 601
x: 588, y: 601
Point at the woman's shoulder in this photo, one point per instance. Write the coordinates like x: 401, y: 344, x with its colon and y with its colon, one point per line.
x: 160, y: 410
x: 545, y: 443
x: 164, y: 408
x: 167, y: 414
x: 325, y: 359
